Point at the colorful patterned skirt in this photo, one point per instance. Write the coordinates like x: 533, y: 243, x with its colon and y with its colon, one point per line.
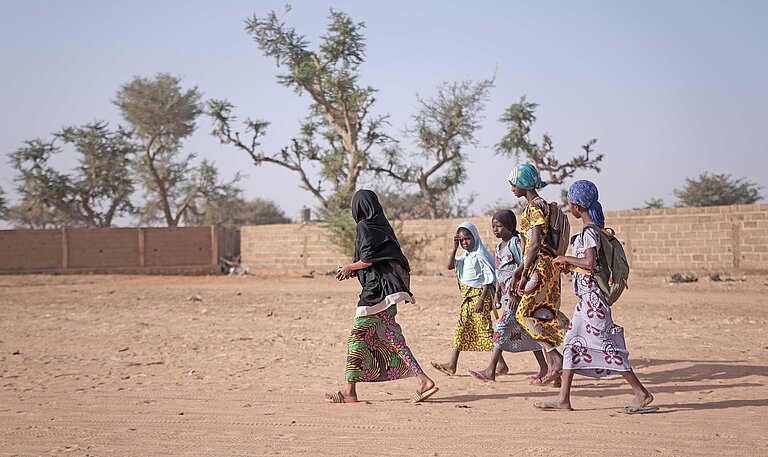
x: 538, y: 311
x: 510, y: 335
x: 474, y: 331
x: 377, y: 350
x: 594, y: 345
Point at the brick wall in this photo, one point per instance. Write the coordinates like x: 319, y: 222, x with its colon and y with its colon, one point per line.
x: 720, y: 239
x: 114, y: 250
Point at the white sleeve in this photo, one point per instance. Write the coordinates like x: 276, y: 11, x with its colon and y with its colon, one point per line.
x: 590, y: 239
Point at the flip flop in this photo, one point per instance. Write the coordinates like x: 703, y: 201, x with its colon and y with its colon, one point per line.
x: 480, y: 376
x: 548, y: 405
x: 420, y: 396
x: 639, y: 409
x: 338, y: 397
x: 441, y: 368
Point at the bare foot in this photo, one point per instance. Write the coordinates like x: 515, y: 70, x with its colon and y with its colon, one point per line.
x: 501, y: 367
x: 643, y: 400
x: 553, y: 405
x: 444, y: 368
x: 425, y: 383
x: 488, y: 374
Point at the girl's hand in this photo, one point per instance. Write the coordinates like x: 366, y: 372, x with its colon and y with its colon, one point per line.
x: 516, y: 279
x: 345, y: 272
x: 521, y: 284
x: 456, y: 240
x: 497, y: 304
x: 562, y: 263
x: 479, y: 306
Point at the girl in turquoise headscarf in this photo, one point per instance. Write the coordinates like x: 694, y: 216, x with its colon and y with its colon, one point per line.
x: 538, y: 281
x: 475, y: 271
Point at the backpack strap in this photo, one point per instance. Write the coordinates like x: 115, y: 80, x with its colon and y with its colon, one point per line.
x: 594, y: 226
x: 542, y: 205
x: 600, y: 235
x: 514, y: 250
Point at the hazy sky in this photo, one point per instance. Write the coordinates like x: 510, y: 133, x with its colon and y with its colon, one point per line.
x: 670, y: 89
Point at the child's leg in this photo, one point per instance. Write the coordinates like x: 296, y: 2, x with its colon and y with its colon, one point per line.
x: 552, y: 356
x: 642, y: 396
x: 563, y: 400
x: 490, y: 371
x: 501, y: 365
x: 542, y: 363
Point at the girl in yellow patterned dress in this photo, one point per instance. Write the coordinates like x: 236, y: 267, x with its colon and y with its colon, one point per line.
x: 538, y: 280
x: 475, y: 271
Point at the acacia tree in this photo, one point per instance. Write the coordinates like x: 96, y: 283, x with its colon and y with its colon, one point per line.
x: 654, y: 203
x: 98, y: 190
x: 236, y: 211
x: 339, y: 135
x: 162, y: 115
x: 519, y: 118
x: 442, y: 129
x: 717, y: 189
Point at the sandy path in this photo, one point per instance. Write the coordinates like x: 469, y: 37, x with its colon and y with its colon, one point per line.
x: 127, y: 365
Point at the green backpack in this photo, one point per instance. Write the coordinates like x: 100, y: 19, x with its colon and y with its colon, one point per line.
x: 614, y: 269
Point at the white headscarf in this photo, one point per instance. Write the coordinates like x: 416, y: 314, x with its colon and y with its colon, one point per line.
x: 477, y: 267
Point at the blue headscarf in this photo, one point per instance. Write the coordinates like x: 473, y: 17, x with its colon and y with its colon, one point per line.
x: 526, y: 177
x: 584, y: 193
x: 477, y: 267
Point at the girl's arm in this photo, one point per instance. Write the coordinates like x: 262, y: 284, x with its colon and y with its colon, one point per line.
x: 452, y: 258
x: 346, y: 271
x: 481, y: 301
x: 587, y: 262
x: 530, y: 258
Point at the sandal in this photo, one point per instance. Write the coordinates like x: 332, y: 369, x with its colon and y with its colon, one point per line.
x: 480, y: 376
x: 420, y: 396
x: 338, y: 397
x: 441, y: 368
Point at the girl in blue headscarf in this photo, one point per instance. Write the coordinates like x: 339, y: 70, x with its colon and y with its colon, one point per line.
x: 475, y: 271
x: 594, y: 345
x: 537, y: 279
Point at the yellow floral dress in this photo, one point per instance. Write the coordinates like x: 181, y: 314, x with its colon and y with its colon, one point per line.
x: 539, y: 309
x: 474, y: 331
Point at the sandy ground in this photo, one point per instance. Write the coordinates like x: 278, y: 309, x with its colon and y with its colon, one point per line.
x: 217, y: 366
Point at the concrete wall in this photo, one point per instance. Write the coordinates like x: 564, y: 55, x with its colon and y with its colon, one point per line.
x: 719, y: 239
x: 114, y: 250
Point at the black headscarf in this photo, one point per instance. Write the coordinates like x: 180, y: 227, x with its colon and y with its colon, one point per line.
x: 507, y: 219
x: 376, y: 243
x: 375, y: 240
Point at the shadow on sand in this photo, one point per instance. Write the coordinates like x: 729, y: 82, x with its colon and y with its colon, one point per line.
x: 691, y: 378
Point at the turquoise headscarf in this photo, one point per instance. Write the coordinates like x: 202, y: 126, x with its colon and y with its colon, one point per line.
x: 477, y: 267
x: 526, y: 177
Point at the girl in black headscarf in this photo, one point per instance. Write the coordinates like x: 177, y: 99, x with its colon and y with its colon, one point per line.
x: 376, y: 347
